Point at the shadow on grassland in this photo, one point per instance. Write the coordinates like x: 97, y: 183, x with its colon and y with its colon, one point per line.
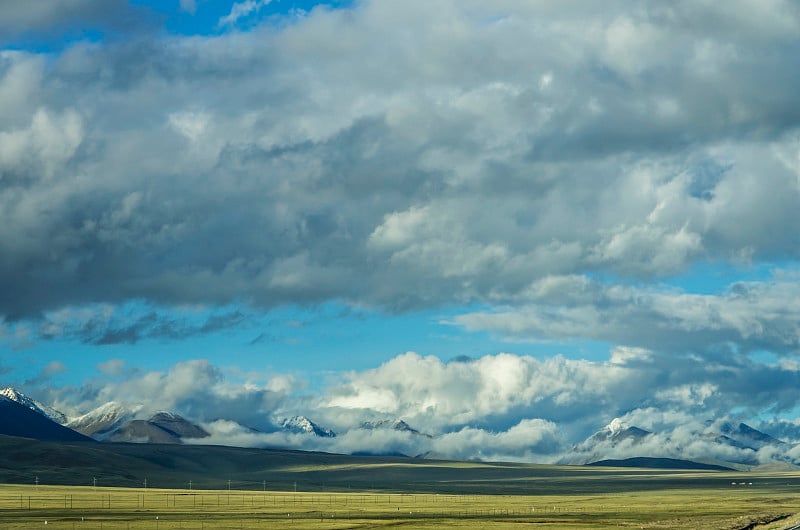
x: 212, y: 467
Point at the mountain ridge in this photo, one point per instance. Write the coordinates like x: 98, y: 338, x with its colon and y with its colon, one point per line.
x: 726, y: 442
x: 21, y: 421
x: 15, y: 395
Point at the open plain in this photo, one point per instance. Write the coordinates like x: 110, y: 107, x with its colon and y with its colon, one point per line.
x: 578, y: 498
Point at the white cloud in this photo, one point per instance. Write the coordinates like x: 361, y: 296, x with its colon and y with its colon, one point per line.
x: 240, y: 10
x: 189, y: 123
x: 46, y: 144
x: 493, y: 390
x: 529, y: 440
x: 351, y: 156
x: 625, y: 354
x: 344, y: 158
x: 751, y: 315
x: 497, y: 407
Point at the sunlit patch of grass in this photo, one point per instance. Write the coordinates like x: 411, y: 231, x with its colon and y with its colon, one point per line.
x: 733, y: 506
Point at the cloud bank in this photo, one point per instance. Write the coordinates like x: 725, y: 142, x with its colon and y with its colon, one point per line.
x: 333, y: 157
x: 497, y: 407
x: 552, y: 167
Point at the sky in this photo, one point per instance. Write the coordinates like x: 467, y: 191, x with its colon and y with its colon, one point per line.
x: 506, y: 223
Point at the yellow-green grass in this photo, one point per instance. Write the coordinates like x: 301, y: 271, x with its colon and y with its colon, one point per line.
x: 728, y: 506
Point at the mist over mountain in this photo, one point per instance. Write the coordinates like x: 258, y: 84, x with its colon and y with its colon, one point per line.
x: 102, y: 421
x: 503, y: 224
x: 711, y: 441
x: 303, y: 425
x: 162, y: 427
x: 720, y: 442
x: 396, y: 424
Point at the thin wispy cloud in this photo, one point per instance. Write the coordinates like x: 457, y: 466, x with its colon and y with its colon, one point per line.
x: 241, y: 10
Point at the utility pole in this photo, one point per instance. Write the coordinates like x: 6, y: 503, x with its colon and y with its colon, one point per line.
x: 94, y: 482
x: 145, y: 482
x: 229, y: 485
x: 190, y: 485
x: 37, y: 481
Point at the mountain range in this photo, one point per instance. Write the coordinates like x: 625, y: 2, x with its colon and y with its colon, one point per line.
x: 740, y: 445
x: 712, y: 443
x: 18, y: 419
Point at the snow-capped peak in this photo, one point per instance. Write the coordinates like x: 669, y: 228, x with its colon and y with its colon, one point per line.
x: 36, y: 406
x: 103, y: 419
x: 616, y: 426
x: 105, y: 412
x: 303, y: 425
x: 393, y: 424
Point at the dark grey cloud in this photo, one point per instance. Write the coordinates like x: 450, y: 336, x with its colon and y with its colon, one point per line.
x: 47, y: 21
x: 104, y: 326
x: 340, y: 157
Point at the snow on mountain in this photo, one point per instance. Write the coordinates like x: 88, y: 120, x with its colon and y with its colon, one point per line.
x: 740, y: 435
x: 396, y: 424
x: 715, y: 441
x: 303, y: 425
x: 613, y: 434
x: 615, y: 440
x: 161, y: 427
x: 44, y: 410
x: 102, y: 421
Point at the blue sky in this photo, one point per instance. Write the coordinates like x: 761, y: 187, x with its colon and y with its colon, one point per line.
x: 283, y: 199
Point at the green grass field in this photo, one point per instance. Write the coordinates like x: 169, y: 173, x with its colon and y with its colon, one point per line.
x: 605, y: 498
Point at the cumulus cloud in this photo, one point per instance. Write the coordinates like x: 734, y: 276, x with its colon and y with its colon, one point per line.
x: 196, y: 389
x: 586, y: 154
x: 400, y: 179
x: 529, y: 440
x: 498, y: 407
x: 495, y: 391
x: 497, y: 399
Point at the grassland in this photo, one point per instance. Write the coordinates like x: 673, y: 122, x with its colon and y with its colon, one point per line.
x: 770, y: 497
x: 235, y: 488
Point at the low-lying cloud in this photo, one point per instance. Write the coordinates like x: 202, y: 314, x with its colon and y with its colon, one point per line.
x: 505, y: 406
